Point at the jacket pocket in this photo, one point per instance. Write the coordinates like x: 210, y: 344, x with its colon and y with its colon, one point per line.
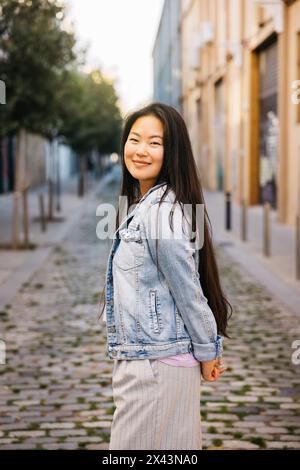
x: 130, y: 252
x: 154, y: 311
x: 179, y: 323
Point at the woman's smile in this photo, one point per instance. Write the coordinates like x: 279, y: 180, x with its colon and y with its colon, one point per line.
x: 140, y: 164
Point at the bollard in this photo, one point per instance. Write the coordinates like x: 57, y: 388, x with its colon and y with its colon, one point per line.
x: 244, y: 221
x: 298, y: 247
x: 228, y: 211
x: 50, y: 201
x: 42, y: 213
x: 266, y: 229
x: 25, y: 217
x: 58, y: 190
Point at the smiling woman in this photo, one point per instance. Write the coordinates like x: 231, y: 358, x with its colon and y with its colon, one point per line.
x: 165, y: 309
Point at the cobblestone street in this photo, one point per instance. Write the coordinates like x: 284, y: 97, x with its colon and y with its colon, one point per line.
x: 56, y: 385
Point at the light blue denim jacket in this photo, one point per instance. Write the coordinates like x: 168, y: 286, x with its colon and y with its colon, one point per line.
x: 151, y: 316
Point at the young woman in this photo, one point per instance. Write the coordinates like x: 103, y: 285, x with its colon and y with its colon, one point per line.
x: 165, y: 311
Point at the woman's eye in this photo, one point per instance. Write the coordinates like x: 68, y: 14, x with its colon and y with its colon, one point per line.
x: 133, y: 140
x: 156, y: 143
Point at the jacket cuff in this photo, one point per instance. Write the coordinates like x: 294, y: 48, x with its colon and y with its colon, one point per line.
x: 208, y: 351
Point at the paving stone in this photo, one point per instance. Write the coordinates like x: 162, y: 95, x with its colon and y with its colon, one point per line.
x: 289, y: 437
x: 16, y: 425
x: 61, y: 445
x: 283, y: 445
x: 270, y: 430
x: 17, y: 446
x: 97, y: 424
x: 222, y: 417
x: 57, y: 425
x: 103, y: 446
x: 27, y: 433
x: 290, y: 406
x: 238, y: 444
x: 68, y: 432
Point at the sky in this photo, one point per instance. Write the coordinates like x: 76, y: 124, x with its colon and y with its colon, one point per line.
x: 120, y: 36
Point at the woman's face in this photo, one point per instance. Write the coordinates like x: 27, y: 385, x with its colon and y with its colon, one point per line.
x: 144, y: 151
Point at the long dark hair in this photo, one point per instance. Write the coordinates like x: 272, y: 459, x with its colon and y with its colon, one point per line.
x: 180, y: 172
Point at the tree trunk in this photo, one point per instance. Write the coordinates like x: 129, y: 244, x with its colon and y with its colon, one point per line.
x: 16, y: 195
x: 20, y: 192
x: 25, y: 217
x: 58, y: 202
x: 50, y: 184
x: 82, y: 166
x: 25, y: 187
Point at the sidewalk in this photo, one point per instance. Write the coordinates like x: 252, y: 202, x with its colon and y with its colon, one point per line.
x: 16, y: 267
x: 277, y: 272
x: 67, y: 199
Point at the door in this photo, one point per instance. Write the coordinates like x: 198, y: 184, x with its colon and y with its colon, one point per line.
x: 220, y: 133
x: 268, y: 126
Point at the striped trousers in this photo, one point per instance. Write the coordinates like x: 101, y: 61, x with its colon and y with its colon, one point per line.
x: 157, y: 406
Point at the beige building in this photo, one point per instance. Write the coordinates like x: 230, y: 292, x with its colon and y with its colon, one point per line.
x: 241, y: 95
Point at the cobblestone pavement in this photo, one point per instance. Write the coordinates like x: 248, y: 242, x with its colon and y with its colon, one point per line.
x: 55, y: 390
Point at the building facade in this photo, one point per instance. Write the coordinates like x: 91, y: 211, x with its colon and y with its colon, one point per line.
x: 241, y: 94
x: 167, y: 87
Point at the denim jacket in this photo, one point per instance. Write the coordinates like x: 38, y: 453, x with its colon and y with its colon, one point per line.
x: 151, y: 315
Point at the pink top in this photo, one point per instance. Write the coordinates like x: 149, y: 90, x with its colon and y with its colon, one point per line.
x: 181, y: 360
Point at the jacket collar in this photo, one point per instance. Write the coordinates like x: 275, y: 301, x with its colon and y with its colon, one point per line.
x: 131, y: 214
x: 151, y: 190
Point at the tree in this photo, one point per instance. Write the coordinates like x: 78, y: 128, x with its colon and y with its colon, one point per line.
x: 90, y: 117
x: 34, y: 50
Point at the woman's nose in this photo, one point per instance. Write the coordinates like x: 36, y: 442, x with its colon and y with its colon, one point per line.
x: 142, y: 148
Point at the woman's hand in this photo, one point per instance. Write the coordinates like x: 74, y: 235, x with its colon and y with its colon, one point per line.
x: 211, y: 370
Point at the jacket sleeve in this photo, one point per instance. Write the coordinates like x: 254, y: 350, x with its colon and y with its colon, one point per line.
x: 176, y: 262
